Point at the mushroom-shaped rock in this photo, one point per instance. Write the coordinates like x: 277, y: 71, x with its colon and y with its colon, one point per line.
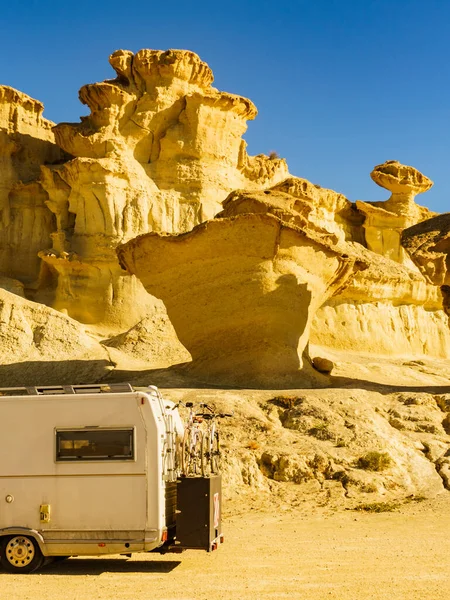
x: 385, y: 221
x: 241, y: 293
x: 428, y: 244
x: 401, y: 180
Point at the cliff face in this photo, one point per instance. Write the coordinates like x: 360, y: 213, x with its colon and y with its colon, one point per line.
x: 167, y: 126
x: 26, y: 142
x: 428, y: 244
x: 161, y: 152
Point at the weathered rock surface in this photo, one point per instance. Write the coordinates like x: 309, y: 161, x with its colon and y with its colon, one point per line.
x: 309, y: 444
x: 323, y: 365
x: 26, y: 142
x: 386, y: 220
x: 152, y: 340
x: 159, y: 152
x: 428, y: 244
x: 41, y: 346
x: 241, y: 292
x: 387, y: 308
x: 328, y: 212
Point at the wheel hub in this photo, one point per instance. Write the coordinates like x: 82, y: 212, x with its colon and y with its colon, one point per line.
x: 20, y: 551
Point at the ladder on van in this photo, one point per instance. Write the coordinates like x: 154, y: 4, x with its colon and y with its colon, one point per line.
x: 169, y: 447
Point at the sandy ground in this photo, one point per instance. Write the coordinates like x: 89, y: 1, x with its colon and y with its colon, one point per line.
x: 293, y: 554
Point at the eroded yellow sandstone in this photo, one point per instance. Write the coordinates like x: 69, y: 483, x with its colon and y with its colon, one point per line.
x: 241, y: 291
x: 428, y: 244
x: 386, y: 220
x: 26, y: 142
x: 389, y: 308
x: 159, y: 152
x: 162, y: 151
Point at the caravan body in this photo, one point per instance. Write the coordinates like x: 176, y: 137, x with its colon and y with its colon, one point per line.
x: 86, y: 470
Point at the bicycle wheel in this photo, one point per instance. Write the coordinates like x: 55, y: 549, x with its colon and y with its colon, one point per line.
x: 191, y: 453
x: 179, y: 457
x: 206, y: 455
x: 186, y: 452
x: 216, y: 457
x: 196, y: 454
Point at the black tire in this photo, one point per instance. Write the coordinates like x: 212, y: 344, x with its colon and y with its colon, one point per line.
x: 20, y: 554
x: 216, y: 457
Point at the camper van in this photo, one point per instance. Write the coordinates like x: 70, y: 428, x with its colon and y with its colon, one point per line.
x: 91, y: 470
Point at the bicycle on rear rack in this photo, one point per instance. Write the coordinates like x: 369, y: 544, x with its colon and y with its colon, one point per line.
x: 190, y: 452
x: 210, y: 442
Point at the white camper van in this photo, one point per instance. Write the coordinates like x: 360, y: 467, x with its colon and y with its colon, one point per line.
x: 90, y: 470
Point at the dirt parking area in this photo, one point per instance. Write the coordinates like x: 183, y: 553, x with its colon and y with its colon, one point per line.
x: 291, y: 554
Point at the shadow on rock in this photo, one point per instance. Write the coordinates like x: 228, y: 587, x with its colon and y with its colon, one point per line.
x: 388, y: 388
x: 53, y: 372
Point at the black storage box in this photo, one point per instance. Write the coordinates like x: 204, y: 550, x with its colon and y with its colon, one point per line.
x: 199, y: 512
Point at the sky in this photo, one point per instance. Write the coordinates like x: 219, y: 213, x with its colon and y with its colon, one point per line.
x: 340, y: 85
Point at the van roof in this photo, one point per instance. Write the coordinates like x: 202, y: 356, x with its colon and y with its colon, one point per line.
x: 112, y: 388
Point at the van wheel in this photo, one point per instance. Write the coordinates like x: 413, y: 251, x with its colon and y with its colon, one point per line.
x: 20, y: 554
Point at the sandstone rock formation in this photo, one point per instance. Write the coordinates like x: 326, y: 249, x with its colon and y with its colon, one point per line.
x: 386, y: 220
x: 389, y: 308
x: 41, y: 346
x: 328, y: 212
x: 26, y: 142
x: 307, y: 445
x: 428, y: 244
x: 159, y: 151
x: 241, y: 290
x: 152, y: 341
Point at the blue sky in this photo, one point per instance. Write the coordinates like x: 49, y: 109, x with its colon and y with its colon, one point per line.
x: 340, y: 85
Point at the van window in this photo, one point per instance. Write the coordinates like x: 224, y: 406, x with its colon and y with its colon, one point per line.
x: 94, y: 444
